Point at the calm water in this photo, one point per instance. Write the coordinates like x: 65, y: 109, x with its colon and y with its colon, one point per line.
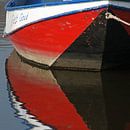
x: 36, y: 99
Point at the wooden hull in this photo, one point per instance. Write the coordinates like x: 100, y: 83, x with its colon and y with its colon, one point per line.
x: 76, y: 40
x: 45, y: 41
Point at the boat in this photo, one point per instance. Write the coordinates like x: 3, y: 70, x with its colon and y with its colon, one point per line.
x: 74, y: 34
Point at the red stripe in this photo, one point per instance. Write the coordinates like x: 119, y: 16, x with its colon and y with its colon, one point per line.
x: 54, y: 35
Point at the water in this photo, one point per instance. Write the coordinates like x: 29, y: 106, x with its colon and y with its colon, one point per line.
x: 36, y: 99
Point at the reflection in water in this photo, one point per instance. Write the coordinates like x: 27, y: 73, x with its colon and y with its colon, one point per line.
x: 70, y: 100
x: 41, y: 96
x: 23, y: 113
x: 84, y: 90
x: 116, y: 87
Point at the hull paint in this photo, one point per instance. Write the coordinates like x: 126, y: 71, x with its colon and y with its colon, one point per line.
x: 45, y: 41
x: 95, y: 96
x: 22, y: 17
x: 105, y: 44
x: 87, y: 50
x: 51, y: 40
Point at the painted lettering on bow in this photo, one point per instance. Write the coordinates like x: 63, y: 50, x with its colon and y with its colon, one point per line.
x: 16, y: 19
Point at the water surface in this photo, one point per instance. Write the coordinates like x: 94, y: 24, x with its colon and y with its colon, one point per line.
x: 38, y: 99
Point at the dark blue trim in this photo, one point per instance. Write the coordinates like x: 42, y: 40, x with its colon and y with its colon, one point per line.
x: 9, y: 6
x: 56, y: 16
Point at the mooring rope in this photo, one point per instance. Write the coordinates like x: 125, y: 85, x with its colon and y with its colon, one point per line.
x: 111, y: 16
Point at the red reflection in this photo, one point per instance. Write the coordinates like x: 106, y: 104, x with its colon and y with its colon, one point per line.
x: 42, y: 96
x: 127, y: 126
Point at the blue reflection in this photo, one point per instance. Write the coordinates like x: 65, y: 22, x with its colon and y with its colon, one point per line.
x: 8, y: 119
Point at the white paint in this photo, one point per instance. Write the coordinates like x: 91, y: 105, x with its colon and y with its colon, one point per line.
x: 41, y: 58
x: 16, y: 19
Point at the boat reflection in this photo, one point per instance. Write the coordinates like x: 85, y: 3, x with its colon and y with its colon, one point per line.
x: 116, y: 88
x: 39, y: 99
x: 23, y: 113
x: 69, y: 100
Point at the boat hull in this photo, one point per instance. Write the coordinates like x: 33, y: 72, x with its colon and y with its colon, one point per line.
x: 81, y: 40
x: 45, y: 41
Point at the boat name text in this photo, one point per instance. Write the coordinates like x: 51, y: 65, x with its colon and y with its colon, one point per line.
x: 19, y: 18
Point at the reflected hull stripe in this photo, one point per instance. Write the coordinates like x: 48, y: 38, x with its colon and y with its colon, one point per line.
x: 42, y: 96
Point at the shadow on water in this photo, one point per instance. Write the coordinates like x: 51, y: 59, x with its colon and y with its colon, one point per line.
x: 69, y: 100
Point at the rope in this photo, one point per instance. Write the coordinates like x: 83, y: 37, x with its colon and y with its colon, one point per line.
x: 111, y: 16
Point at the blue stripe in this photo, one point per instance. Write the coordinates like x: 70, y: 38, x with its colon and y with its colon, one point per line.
x: 9, y: 6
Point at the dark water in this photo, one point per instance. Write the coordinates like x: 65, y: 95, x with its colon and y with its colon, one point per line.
x: 36, y: 99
